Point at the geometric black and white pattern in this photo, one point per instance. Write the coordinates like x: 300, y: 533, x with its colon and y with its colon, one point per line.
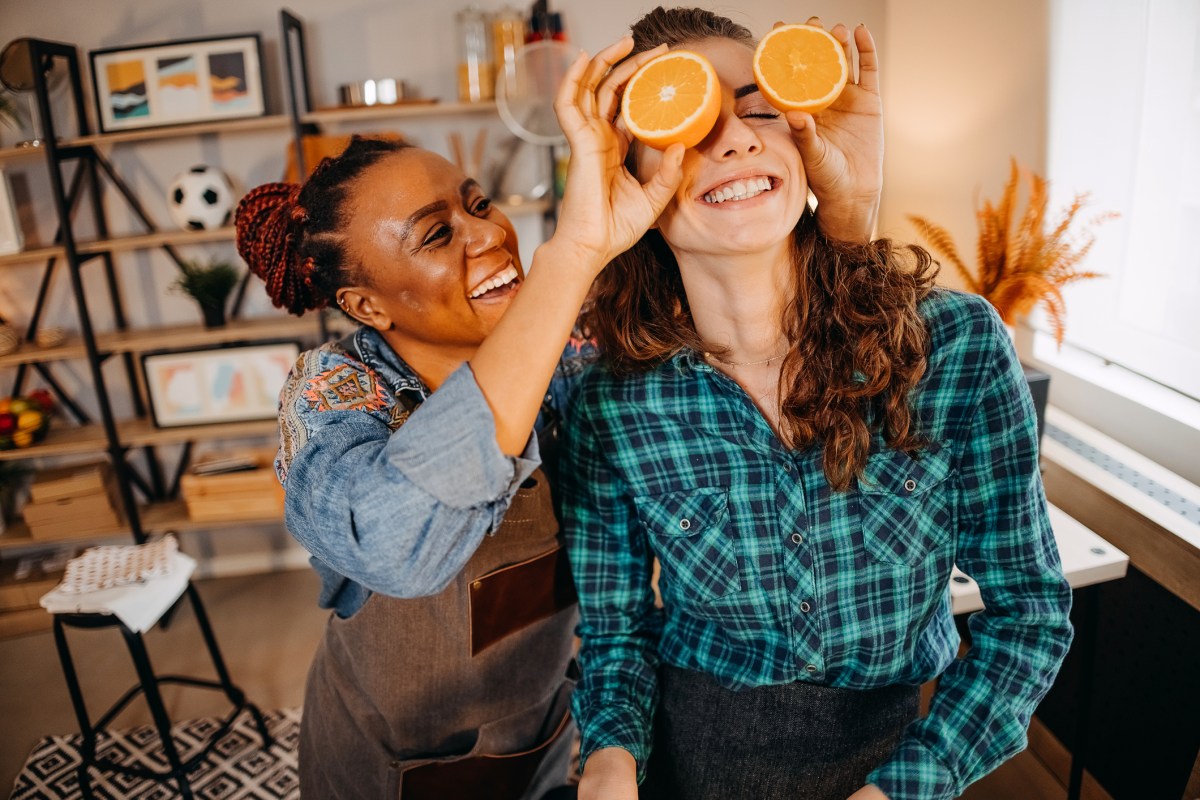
x: 236, y: 769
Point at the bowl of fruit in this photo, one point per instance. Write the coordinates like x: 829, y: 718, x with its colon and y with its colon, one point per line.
x: 24, y: 420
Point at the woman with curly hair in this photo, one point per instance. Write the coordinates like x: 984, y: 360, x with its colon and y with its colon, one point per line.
x: 804, y: 435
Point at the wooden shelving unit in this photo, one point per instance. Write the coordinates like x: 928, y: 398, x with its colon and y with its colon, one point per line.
x: 122, y: 438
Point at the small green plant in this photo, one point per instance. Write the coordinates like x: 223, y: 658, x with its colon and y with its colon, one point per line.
x: 209, y: 285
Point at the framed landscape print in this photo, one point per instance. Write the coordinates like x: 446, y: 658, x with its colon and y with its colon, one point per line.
x: 174, y: 83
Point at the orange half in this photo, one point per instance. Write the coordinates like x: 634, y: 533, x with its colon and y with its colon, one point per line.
x: 675, y: 97
x: 800, y: 68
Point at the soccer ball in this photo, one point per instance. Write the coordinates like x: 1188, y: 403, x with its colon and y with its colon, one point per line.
x: 200, y: 199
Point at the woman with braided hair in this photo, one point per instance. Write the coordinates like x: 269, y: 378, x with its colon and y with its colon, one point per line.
x: 406, y: 453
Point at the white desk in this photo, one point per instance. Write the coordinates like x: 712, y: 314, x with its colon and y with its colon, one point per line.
x: 1086, y: 559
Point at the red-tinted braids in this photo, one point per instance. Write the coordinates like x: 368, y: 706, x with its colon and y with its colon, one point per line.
x: 292, y: 237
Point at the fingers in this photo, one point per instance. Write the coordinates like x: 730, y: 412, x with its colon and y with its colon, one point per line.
x: 842, y: 34
x: 608, y: 97
x: 565, y: 106
x: 597, y: 68
x: 661, y: 187
x: 868, y: 59
x: 811, y: 146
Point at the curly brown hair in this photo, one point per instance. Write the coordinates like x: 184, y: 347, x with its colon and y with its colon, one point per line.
x: 858, y: 344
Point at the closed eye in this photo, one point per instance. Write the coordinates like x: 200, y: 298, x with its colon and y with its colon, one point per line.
x: 439, y: 233
x: 761, y: 115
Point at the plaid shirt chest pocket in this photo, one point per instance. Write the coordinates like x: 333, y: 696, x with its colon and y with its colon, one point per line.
x: 688, y: 531
x: 906, y: 505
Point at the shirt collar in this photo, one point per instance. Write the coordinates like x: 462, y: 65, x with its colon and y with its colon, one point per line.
x: 377, y: 354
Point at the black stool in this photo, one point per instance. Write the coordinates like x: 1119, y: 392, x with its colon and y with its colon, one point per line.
x: 148, y: 683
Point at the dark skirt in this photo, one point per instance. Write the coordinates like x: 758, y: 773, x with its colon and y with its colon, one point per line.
x: 797, y: 741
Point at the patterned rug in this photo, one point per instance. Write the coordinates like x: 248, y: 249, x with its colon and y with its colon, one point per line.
x: 236, y: 769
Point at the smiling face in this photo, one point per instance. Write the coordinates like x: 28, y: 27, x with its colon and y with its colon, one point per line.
x: 438, y: 264
x: 744, y: 186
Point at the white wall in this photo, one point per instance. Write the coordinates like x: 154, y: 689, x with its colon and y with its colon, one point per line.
x: 965, y: 87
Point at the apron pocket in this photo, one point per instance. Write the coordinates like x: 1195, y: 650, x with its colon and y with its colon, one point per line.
x: 514, y: 597
x: 481, y: 774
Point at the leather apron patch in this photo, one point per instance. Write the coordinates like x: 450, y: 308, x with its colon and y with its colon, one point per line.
x: 511, y: 598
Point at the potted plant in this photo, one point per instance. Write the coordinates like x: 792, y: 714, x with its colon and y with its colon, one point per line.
x: 1022, y: 260
x: 209, y: 285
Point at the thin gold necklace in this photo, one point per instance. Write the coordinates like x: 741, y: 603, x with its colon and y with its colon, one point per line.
x: 715, y: 357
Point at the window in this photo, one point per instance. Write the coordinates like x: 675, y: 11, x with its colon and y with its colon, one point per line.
x: 1124, y: 125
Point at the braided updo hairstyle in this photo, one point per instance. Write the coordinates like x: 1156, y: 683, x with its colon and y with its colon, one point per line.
x: 291, y: 234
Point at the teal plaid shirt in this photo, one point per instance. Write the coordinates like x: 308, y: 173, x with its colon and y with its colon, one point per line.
x: 768, y: 576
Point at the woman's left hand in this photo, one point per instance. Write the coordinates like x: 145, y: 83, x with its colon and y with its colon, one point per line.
x: 842, y: 148
x: 869, y: 792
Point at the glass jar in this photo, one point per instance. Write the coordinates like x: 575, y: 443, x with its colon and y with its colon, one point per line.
x: 508, y: 37
x: 476, y: 75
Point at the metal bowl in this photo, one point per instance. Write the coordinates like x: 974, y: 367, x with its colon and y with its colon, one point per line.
x: 373, y: 92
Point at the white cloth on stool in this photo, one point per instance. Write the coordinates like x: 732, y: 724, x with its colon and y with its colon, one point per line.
x: 137, y: 605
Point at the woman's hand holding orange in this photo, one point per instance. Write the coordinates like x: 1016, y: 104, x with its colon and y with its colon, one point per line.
x: 842, y: 147
x: 606, y: 209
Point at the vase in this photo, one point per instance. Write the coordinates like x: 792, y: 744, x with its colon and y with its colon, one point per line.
x: 214, y: 315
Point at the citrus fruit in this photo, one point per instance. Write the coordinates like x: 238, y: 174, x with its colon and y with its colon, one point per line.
x: 800, y: 68
x: 674, y: 98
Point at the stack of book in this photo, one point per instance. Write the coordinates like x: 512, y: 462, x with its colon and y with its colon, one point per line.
x: 69, y: 502
x: 238, y: 486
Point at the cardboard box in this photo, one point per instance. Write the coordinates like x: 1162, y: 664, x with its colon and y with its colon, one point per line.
x: 61, y: 482
x: 245, y: 494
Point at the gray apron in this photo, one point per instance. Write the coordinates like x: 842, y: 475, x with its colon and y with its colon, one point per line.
x: 462, y: 694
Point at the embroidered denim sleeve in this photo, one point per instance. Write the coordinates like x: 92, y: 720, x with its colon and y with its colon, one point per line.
x: 614, y: 701
x: 984, y: 701
x: 394, y: 502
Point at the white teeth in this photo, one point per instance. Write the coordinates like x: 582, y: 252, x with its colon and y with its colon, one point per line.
x: 739, y: 190
x: 506, y: 276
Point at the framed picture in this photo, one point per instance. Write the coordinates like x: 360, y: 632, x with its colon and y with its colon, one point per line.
x: 230, y: 384
x: 172, y: 83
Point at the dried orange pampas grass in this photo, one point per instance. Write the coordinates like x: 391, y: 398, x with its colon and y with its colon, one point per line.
x: 1020, y: 262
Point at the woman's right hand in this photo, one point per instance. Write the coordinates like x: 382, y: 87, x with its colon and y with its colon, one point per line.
x: 606, y: 210
x: 609, y: 774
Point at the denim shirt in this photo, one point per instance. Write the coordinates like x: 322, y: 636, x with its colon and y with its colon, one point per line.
x: 389, y: 486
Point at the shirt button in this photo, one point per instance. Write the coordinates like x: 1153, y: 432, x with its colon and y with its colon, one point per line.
x: 797, y: 538
x: 910, y: 485
x: 805, y: 606
x: 685, y: 524
x: 787, y: 467
x: 811, y: 669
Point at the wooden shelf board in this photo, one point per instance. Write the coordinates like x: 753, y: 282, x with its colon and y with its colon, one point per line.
x: 182, y: 336
x: 16, y: 537
x: 62, y: 441
x: 272, y: 122
x: 172, y: 516
x: 32, y: 354
x: 143, y: 241
x: 24, y: 622
x: 141, y: 433
x: 357, y: 114
x: 525, y: 209
x: 14, y: 153
x: 36, y: 254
